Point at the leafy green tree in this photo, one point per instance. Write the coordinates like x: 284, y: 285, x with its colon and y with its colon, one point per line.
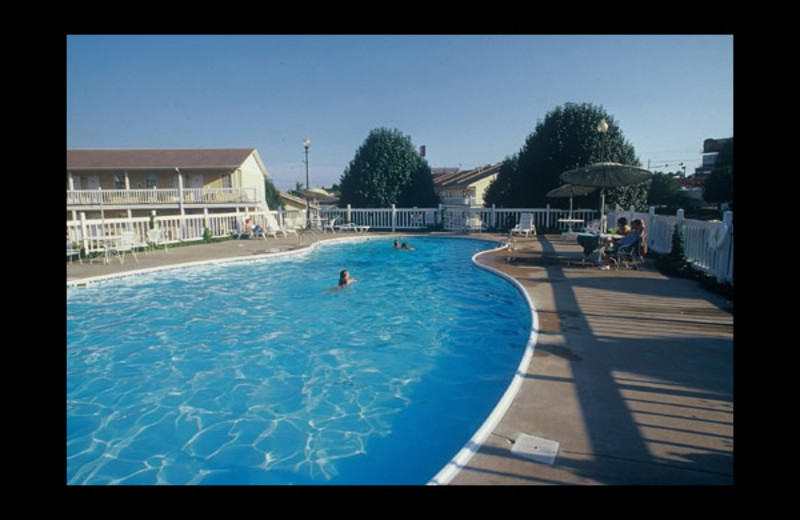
x: 567, y: 138
x: 719, y: 185
x: 387, y: 170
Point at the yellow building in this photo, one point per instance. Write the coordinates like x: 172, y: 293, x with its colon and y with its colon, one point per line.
x: 465, y: 188
x: 136, y: 182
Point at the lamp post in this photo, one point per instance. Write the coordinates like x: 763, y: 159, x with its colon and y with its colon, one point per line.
x: 306, y: 144
x: 602, y: 127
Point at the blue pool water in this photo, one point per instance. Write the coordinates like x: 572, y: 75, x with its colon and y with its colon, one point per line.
x: 261, y: 373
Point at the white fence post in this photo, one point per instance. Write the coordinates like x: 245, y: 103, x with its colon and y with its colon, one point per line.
x: 724, y: 256
x: 394, y: 218
x: 547, y: 217
x: 84, y: 234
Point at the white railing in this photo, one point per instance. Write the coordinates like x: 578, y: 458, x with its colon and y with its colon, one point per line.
x: 89, y: 233
x: 98, y: 197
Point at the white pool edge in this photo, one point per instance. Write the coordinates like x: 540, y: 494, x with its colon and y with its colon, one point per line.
x: 462, y: 458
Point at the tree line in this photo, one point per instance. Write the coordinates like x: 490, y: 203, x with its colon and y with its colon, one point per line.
x: 387, y: 169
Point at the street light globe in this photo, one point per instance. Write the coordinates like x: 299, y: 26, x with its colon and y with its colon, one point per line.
x: 602, y: 126
x: 306, y: 142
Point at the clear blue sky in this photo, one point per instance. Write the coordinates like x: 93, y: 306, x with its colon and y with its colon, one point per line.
x: 471, y: 100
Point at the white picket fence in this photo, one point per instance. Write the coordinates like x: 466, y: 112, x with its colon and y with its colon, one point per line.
x: 455, y: 218
x: 708, y: 245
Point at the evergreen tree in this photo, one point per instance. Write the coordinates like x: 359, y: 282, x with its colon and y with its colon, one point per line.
x: 271, y: 195
x: 676, y: 263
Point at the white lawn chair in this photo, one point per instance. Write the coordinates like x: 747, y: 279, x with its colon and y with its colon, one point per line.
x: 274, y: 227
x: 525, y: 225
x: 329, y: 226
x: 71, y: 251
x: 128, y: 242
x: 155, y: 237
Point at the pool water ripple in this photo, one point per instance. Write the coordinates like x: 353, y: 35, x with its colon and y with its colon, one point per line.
x: 260, y: 373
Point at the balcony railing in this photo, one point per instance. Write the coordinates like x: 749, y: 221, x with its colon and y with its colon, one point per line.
x: 92, y: 198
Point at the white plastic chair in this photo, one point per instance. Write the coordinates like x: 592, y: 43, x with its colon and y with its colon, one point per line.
x: 128, y: 242
x: 274, y: 227
x: 155, y: 237
x: 329, y: 226
x: 71, y: 251
x: 525, y: 225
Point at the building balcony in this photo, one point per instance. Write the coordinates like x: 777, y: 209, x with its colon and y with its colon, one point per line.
x: 78, y: 200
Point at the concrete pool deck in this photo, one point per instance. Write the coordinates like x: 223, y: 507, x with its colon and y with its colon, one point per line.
x: 631, y: 379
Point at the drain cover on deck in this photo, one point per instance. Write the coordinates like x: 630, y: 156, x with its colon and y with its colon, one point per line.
x: 535, y: 448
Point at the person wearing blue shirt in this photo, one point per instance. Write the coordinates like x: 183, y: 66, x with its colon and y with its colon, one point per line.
x: 628, y: 240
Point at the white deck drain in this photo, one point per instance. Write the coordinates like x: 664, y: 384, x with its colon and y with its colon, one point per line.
x: 535, y: 448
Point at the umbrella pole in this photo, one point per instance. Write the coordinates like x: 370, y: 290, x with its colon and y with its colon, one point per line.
x: 570, y: 213
x: 603, y: 223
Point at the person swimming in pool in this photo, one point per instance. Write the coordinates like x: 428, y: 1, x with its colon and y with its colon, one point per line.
x: 406, y: 247
x: 344, y: 278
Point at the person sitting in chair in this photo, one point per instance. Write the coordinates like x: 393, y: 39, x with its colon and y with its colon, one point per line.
x: 611, y: 250
x: 255, y: 229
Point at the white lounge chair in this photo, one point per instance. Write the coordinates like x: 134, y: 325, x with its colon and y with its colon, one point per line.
x: 274, y: 227
x: 525, y: 225
x: 353, y: 227
x: 242, y: 230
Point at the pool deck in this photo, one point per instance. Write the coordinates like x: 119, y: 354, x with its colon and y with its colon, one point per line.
x: 630, y: 382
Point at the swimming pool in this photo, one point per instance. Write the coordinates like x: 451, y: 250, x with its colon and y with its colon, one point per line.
x: 262, y: 373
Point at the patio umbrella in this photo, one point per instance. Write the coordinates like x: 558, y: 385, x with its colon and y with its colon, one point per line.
x: 570, y: 190
x: 606, y: 175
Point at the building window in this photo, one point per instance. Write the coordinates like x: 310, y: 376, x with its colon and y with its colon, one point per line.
x: 119, y: 182
x: 225, y: 180
x: 151, y: 180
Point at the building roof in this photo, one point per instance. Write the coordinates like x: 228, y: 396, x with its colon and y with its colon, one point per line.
x: 157, y: 159
x: 297, y: 201
x: 464, y: 179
